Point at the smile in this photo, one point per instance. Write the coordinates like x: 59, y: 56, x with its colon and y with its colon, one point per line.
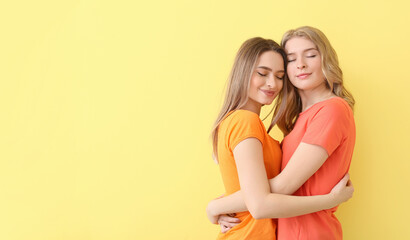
x: 268, y: 93
x: 303, y: 75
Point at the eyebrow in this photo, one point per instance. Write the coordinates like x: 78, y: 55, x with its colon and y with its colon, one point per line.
x: 308, y: 49
x: 269, y: 69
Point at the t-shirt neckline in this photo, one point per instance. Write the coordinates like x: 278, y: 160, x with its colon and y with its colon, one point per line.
x: 318, y: 103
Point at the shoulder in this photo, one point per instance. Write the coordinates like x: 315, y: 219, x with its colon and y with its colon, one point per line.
x: 240, y: 125
x: 243, y: 123
x: 335, y: 107
x: 243, y: 117
x: 338, y: 103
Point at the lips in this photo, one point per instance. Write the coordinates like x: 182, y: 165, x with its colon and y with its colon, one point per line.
x: 268, y: 92
x: 303, y: 75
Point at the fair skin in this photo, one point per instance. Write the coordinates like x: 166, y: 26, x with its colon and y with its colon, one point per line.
x: 256, y: 190
x: 266, y: 81
x: 305, y: 73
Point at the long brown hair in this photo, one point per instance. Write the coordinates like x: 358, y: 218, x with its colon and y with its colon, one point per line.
x: 330, y: 68
x: 237, y: 92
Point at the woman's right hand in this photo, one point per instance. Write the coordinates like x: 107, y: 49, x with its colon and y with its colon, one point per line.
x: 343, y: 190
x: 227, y: 222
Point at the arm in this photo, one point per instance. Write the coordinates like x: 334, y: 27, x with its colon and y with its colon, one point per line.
x: 255, y: 187
x: 310, y: 156
x: 324, y: 134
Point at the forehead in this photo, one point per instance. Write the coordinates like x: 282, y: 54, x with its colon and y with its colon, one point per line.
x: 272, y: 60
x: 298, y: 44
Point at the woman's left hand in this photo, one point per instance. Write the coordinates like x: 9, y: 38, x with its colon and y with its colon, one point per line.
x: 343, y: 190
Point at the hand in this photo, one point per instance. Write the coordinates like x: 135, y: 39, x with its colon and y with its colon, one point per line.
x: 343, y: 191
x: 212, y: 216
x: 228, y: 222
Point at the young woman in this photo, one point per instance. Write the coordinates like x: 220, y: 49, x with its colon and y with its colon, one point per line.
x: 248, y: 156
x: 319, y: 130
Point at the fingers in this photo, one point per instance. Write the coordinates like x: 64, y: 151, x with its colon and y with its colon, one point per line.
x: 343, y: 185
x: 350, y: 185
x: 345, y: 179
x: 228, y: 219
x: 224, y: 229
x: 228, y: 224
x: 350, y: 188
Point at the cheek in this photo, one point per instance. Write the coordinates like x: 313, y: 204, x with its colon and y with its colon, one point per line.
x: 290, y: 69
x: 320, y: 74
x: 253, y: 88
x: 256, y: 83
x: 317, y: 65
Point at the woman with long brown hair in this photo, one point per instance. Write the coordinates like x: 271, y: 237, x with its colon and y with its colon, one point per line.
x: 248, y: 156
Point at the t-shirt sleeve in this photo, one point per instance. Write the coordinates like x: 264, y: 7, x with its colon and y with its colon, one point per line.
x: 328, y: 127
x: 244, y: 125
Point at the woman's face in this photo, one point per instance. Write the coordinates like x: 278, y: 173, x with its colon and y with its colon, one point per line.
x: 267, y: 79
x: 304, y: 64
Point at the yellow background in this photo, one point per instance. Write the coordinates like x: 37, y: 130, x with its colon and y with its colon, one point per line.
x: 106, y: 109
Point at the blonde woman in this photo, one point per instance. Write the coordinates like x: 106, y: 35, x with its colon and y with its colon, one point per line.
x: 319, y: 130
x: 248, y: 156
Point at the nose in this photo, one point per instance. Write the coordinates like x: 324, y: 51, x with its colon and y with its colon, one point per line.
x: 272, y: 83
x: 300, y: 64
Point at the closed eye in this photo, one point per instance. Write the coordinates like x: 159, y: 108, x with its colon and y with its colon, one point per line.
x: 311, y: 56
x: 263, y: 75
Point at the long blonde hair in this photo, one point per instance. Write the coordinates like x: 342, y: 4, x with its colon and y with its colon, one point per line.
x: 237, y: 92
x: 330, y: 69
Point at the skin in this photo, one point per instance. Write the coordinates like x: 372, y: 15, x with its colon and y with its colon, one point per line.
x: 256, y: 190
x: 304, y: 58
x: 266, y: 81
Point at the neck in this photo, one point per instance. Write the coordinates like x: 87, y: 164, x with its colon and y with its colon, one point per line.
x: 313, y: 96
x: 252, y: 106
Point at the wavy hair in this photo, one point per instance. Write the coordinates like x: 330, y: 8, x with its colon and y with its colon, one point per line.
x: 330, y: 69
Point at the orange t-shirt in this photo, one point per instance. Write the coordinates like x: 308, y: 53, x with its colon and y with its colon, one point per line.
x: 236, y: 127
x: 329, y: 124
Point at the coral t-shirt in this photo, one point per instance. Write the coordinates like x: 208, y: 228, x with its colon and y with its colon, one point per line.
x: 329, y: 124
x: 236, y: 127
